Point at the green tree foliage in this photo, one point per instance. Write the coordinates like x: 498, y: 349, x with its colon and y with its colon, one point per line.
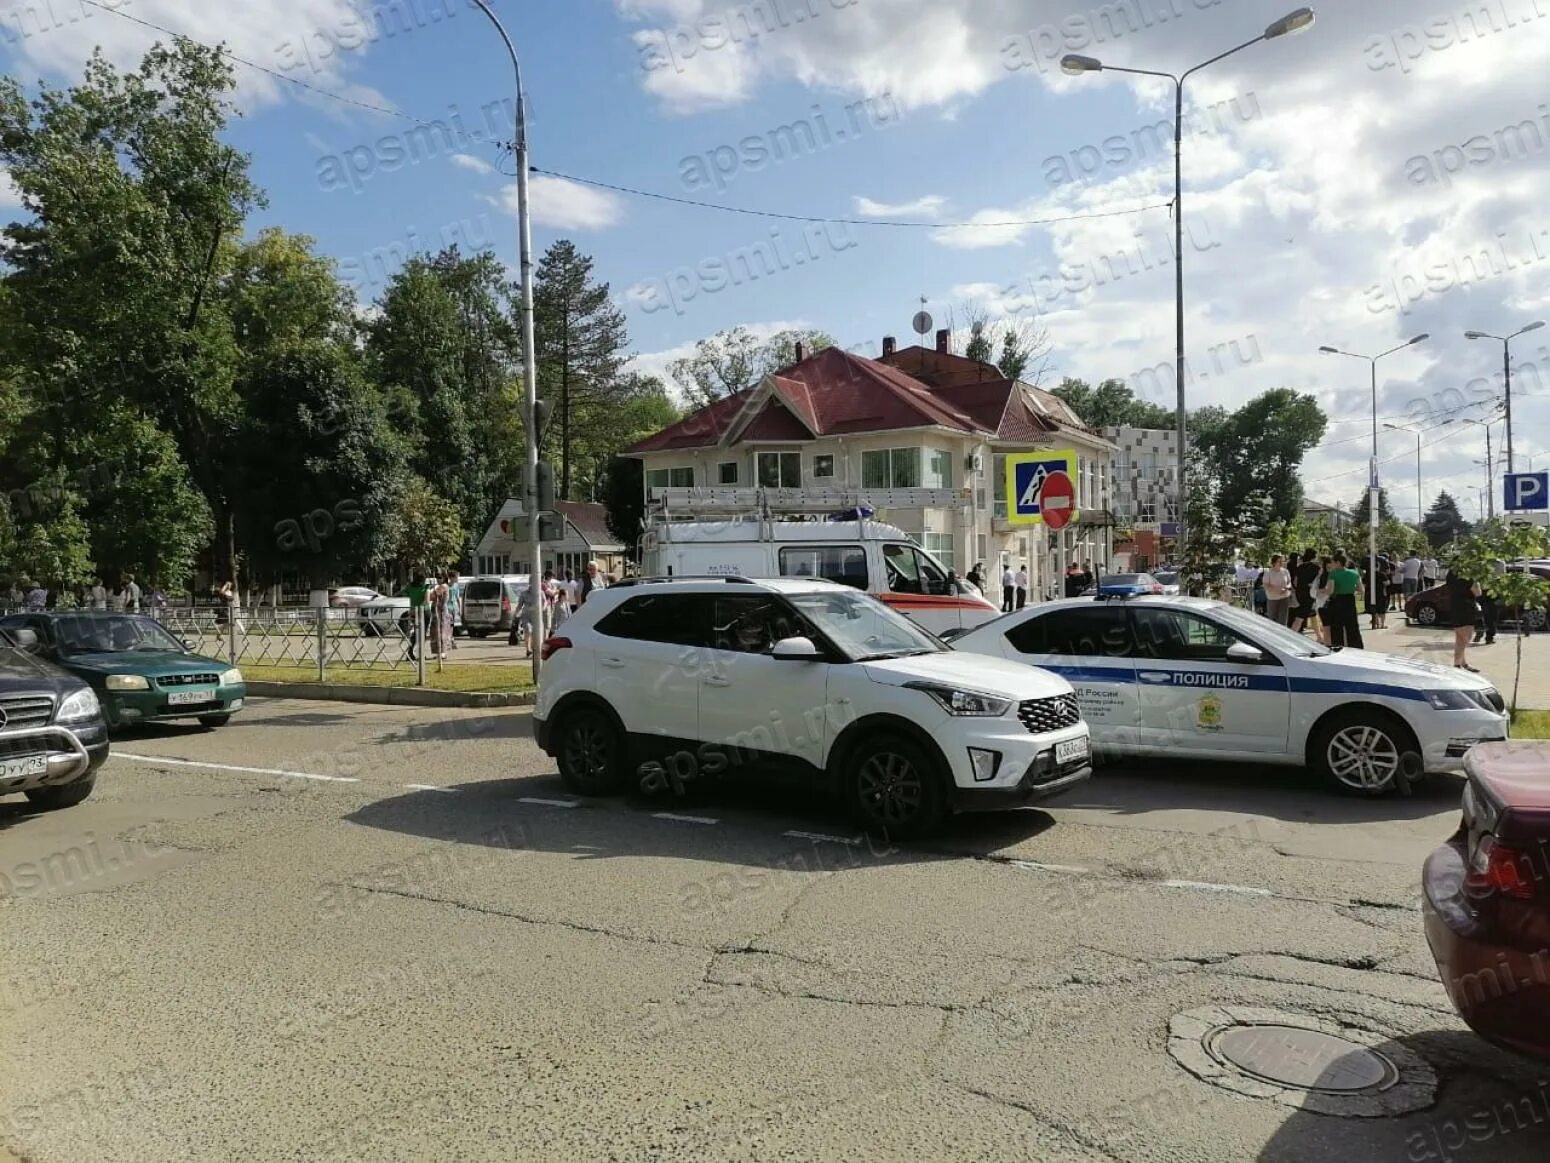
x: 1112, y: 405
x: 1254, y: 456
x: 979, y: 346
x: 624, y: 499
x: 1443, y: 522
x: 425, y: 534
x: 733, y: 361
x: 1482, y: 556
x: 1361, y: 510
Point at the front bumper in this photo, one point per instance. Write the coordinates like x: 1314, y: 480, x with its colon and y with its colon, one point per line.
x: 60, y: 755
x: 126, y: 708
x: 1026, y: 769
x: 1501, y: 991
x: 1447, y: 736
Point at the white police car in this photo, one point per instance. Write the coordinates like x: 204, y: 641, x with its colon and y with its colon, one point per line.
x: 669, y: 680
x: 1200, y: 679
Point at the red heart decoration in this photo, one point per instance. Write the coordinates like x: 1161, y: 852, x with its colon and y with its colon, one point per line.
x: 505, y: 526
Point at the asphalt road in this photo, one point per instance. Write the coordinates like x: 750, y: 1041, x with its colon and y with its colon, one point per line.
x: 350, y: 932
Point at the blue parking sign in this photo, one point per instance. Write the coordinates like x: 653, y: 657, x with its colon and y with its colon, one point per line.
x: 1526, y: 492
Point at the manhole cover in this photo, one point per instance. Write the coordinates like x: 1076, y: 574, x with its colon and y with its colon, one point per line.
x: 1307, y: 1059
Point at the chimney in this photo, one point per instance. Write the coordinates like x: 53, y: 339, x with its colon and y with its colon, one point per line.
x: 888, y: 346
x: 800, y: 352
x: 941, y: 339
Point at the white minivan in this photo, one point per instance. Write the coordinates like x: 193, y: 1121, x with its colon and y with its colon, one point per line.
x: 866, y: 555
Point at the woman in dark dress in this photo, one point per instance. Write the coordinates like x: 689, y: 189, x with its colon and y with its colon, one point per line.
x: 1464, y: 605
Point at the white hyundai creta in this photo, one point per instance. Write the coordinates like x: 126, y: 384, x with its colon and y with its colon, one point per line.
x: 691, y: 678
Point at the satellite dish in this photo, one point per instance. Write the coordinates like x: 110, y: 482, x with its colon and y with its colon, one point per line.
x: 921, y: 323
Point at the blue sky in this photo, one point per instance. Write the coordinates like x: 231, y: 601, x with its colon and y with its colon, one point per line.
x: 1380, y: 174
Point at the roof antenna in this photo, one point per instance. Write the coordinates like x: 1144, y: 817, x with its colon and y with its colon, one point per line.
x: 922, y: 325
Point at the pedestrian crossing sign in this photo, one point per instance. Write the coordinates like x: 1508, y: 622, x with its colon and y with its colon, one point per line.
x: 1026, y: 475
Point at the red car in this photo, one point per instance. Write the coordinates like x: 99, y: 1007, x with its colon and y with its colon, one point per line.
x: 1487, y: 898
x: 1432, y: 607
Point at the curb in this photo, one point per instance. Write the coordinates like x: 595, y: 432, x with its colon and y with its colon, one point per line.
x: 389, y: 696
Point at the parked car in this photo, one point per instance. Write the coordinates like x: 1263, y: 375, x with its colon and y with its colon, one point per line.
x: 1199, y: 679
x: 699, y: 676
x: 490, y: 603
x: 387, y: 615
x: 352, y: 597
x: 139, y: 671
x: 1126, y: 585
x: 1433, y: 608
x: 1169, y: 580
x: 52, y: 734
x: 1487, y: 898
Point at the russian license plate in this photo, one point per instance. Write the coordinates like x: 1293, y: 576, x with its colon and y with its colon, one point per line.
x: 184, y: 698
x: 1071, y: 750
x: 26, y: 765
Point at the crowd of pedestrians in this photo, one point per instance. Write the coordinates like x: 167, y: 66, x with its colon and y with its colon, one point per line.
x: 127, y: 595
x: 549, y: 601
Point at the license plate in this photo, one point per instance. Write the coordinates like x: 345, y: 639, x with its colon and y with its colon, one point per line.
x: 27, y: 765
x: 183, y: 698
x: 1071, y: 749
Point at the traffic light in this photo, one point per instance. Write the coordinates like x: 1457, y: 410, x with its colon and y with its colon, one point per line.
x: 541, y: 422
x: 544, y: 490
x: 551, y: 527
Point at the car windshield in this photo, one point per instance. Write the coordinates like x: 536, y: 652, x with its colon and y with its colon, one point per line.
x: 1127, y: 579
x: 482, y: 591
x: 1167, y: 578
x: 119, y: 633
x: 1264, y: 630
x: 862, y: 627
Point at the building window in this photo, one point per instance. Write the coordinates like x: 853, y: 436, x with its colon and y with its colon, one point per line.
x: 981, y: 547
x: 726, y: 472
x: 939, y: 469
x: 671, y: 478
x: 940, y: 546
x: 780, y: 470
x: 823, y: 467
x: 891, y: 468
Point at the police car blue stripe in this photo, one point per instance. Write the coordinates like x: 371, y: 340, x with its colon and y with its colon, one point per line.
x: 1213, y: 680
x: 1335, y: 686
x: 1125, y: 674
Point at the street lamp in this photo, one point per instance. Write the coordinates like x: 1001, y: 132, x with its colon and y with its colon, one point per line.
x: 1075, y: 65
x: 1506, y: 341
x: 529, y: 355
x: 1372, y: 482
x: 1420, y: 503
x: 1489, y: 460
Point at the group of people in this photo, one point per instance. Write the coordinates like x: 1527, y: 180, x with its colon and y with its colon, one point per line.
x: 546, y: 606
x: 126, y: 596
x: 439, y: 594
x: 1015, y: 583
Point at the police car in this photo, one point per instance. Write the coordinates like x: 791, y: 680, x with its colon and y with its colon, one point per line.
x: 1200, y: 679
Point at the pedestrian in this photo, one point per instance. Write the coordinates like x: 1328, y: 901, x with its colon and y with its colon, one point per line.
x: 454, y: 607
x: 1304, y: 579
x: 1431, y: 570
x: 1490, y: 611
x: 226, y: 598
x: 975, y: 578
x: 591, y: 580
x: 440, y: 614
x: 1464, y: 602
x: 15, y: 597
x: 571, y: 591
x: 131, y: 594
x: 1260, y: 598
x: 1278, y: 590
x: 529, y: 622
x: 1375, y: 587
x: 1410, y: 575
x: 1344, y: 628
x: 559, y: 610
x: 416, y: 591
x: 97, y: 595
x: 1008, y: 588
x: 36, y: 596
x: 1321, y: 595
x: 1396, y: 577
x: 1020, y: 581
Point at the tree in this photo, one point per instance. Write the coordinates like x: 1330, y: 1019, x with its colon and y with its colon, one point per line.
x: 979, y: 346
x: 1362, y: 509
x: 734, y: 361
x: 624, y: 499
x: 1253, y: 455
x: 1209, y: 549
x: 1443, y: 522
x: 424, y: 532
x: 1291, y: 537
x: 1112, y: 405
x: 1478, y: 558
x: 1022, y: 339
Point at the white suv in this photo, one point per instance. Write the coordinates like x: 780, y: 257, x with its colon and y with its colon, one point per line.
x: 695, y: 677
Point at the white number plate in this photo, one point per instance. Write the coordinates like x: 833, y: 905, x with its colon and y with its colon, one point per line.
x: 27, y: 765
x: 197, y: 695
x: 1070, y: 750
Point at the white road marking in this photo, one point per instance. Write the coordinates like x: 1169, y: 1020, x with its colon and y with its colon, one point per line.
x: 430, y: 787
x: 685, y: 819
x: 823, y: 836
x: 234, y: 767
x: 1036, y: 866
x: 547, y: 803
x: 1205, y: 886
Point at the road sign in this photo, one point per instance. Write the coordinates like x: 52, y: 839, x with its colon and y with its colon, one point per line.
x: 1527, y: 491
x: 1026, y: 473
x: 1057, y: 500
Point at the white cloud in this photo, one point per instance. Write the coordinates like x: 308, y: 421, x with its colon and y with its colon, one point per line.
x: 9, y: 195
x: 566, y: 205
x: 929, y: 206
x: 468, y: 161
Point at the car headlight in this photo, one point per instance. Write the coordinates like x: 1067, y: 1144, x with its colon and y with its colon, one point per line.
x: 78, y: 706
x: 128, y: 682
x: 232, y: 677
x: 961, y: 702
x: 1449, y: 700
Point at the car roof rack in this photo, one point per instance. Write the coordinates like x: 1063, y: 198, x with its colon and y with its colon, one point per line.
x: 733, y: 579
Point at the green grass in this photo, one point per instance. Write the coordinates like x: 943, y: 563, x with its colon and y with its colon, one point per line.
x: 467, y: 677
x: 1531, y: 725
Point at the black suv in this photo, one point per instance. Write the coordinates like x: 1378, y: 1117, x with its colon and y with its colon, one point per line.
x: 52, y: 734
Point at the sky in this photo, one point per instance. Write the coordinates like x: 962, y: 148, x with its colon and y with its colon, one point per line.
x: 1381, y: 174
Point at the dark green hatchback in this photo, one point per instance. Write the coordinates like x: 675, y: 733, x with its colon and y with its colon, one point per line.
x: 141, y: 673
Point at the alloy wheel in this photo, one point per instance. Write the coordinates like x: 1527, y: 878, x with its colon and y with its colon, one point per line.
x: 1363, y: 757
x: 890, y: 788
x: 587, y: 747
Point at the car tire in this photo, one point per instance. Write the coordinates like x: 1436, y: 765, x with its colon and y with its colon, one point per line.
x: 369, y: 629
x: 589, y: 748
x: 1426, y: 615
x: 64, y: 795
x: 1361, y: 752
x: 213, y: 721
x: 479, y: 633
x: 1533, y: 620
x: 894, y: 787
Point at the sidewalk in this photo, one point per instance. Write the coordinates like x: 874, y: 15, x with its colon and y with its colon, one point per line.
x: 1495, y: 662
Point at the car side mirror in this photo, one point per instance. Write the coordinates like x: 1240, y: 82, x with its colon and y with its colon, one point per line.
x: 25, y: 640
x: 1243, y: 652
x: 796, y: 650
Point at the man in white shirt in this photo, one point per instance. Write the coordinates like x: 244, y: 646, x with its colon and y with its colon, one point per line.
x: 1008, y: 588
x: 1278, y: 590
x: 1021, y: 582
x: 1410, y: 574
x: 1431, y: 572
x: 99, y: 595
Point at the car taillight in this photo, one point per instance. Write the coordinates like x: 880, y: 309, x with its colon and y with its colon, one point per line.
x: 505, y: 604
x: 1496, y: 868
x: 551, y: 646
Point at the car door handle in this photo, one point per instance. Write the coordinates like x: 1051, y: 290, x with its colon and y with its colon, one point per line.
x: 717, y: 680
x: 614, y: 663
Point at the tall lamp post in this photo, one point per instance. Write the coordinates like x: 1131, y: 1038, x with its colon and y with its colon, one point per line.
x: 529, y: 356
x: 1372, y: 481
x: 1489, y: 462
x: 1506, y: 342
x: 1420, y: 501
x: 1075, y: 65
